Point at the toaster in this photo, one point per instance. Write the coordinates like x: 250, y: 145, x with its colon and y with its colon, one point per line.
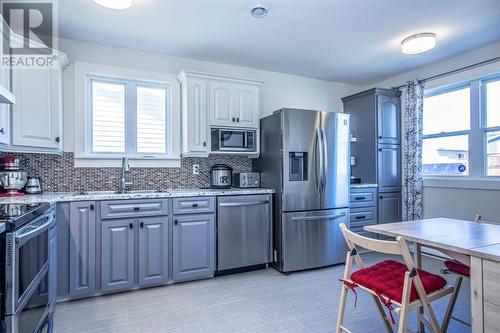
x: 246, y: 179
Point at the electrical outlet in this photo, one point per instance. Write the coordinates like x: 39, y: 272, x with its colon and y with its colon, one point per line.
x: 196, y: 169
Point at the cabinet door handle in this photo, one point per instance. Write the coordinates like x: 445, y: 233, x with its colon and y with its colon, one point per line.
x: 176, y: 222
x: 131, y: 225
x: 360, y: 217
x: 238, y: 120
x: 204, y: 144
x: 142, y: 224
x: 2, y: 131
x: 195, y: 205
x: 359, y: 198
x: 58, y: 139
x: 136, y: 209
x: 381, y: 197
x: 380, y: 136
x: 91, y: 207
x: 234, y: 119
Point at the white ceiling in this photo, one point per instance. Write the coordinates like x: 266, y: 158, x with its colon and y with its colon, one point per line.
x: 352, y: 41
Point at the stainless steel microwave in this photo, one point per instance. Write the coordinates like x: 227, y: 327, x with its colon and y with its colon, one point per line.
x: 237, y: 140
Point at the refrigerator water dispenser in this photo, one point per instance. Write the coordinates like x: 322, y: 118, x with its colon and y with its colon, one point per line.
x: 297, y: 166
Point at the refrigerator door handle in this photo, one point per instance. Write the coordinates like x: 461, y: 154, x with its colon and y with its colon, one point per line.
x: 319, y: 152
x: 320, y: 217
x: 325, y: 159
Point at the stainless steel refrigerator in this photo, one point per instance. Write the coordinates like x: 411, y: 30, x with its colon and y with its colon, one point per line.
x: 305, y: 159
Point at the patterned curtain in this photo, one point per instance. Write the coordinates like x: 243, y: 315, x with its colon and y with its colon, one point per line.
x: 412, y: 151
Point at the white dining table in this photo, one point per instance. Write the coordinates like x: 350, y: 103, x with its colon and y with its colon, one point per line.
x: 474, y: 244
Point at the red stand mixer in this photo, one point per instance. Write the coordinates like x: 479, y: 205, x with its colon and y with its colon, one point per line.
x: 12, y: 180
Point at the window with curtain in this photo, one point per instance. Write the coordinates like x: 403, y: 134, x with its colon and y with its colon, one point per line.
x: 128, y: 117
x: 461, y: 130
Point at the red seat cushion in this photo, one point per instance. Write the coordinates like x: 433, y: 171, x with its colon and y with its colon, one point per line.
x: 387, y: 278
x: 457, y: 267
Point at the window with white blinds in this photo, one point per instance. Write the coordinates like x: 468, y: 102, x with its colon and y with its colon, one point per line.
x: 128, y: 117
x: 108, y: 117
x: 151, y: 120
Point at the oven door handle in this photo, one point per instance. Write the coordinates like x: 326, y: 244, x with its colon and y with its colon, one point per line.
x: 26, y: 236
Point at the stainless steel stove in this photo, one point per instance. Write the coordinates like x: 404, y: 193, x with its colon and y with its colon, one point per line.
x: 15, y: 215
x: 29, y: 261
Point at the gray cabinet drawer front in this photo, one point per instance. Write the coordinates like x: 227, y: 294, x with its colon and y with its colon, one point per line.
x: 362, y: 214
x: 194, y: 205
x: 363, y: 197
x: 133, y: 208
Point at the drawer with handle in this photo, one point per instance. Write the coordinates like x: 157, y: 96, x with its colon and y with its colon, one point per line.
x: 363, y: 216
x: 194, y: 205
x: 363, y: 197
x: 133, y: 208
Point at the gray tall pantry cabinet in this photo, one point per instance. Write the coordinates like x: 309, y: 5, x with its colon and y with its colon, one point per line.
x: 376, y: 127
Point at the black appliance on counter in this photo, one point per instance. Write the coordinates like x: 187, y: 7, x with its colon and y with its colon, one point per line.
x: 28, y: 280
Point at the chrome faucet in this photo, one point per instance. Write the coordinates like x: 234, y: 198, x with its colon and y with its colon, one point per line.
x: 123, y: 181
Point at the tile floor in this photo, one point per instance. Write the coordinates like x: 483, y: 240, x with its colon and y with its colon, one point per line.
x: 258, y: 301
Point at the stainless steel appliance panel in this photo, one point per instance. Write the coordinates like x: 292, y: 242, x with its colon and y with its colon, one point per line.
x: 243, y: 231
x: 313, y: 239
x: 234, y: 140
x: 336, y: 167
x: 246, y: 179
x: 301, y: 134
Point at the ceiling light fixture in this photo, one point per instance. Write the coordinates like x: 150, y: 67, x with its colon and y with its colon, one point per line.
x: 259, y: 11
x: 115, y: 4
x: 418, y: 43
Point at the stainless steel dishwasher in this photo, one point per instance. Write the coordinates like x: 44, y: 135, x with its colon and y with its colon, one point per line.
x: 243, y: 231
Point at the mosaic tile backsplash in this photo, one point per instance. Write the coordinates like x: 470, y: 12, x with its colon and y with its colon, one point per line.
x: 59, y: 174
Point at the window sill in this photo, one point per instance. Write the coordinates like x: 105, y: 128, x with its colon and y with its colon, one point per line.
x: 478, y: 183
x: 134, y: 162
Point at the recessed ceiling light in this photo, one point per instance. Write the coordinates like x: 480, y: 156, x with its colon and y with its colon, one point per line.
x: 115, y: 4
x: 418, y: 43
x: 259, y: 11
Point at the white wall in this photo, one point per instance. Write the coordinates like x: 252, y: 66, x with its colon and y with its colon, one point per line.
x: 279, y: 90
x: 457, y: 199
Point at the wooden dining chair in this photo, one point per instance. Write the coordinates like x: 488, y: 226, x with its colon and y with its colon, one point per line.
x: 461, y: 271
x: 390, y: 283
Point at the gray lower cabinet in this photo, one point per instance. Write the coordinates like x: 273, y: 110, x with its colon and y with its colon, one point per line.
x: 82, y: 249
x: 153, y: 251
x: 389, y: 207
x: 193, y: 246
x: 117, y: 255
x: 53, y: 266
x: 389, y: 168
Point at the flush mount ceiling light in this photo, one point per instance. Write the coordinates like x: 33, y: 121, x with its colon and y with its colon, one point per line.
x: 115, y: 4
x: 418, y: 43
x: 259, y: 11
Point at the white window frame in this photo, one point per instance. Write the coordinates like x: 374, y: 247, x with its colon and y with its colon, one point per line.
x: 477, y: 134
x: 84, y: 156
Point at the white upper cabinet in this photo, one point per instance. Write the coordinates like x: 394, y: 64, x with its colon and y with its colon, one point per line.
x: 5, y: 108
x: 221, y: 104
x: 234, y: 104
x: 37, y: 113
x: 215, y: 101
x: 195, y: 129
x: 246, y: 110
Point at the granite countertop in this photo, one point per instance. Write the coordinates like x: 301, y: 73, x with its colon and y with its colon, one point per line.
x: 363, y: 185
x: 55, y: 197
